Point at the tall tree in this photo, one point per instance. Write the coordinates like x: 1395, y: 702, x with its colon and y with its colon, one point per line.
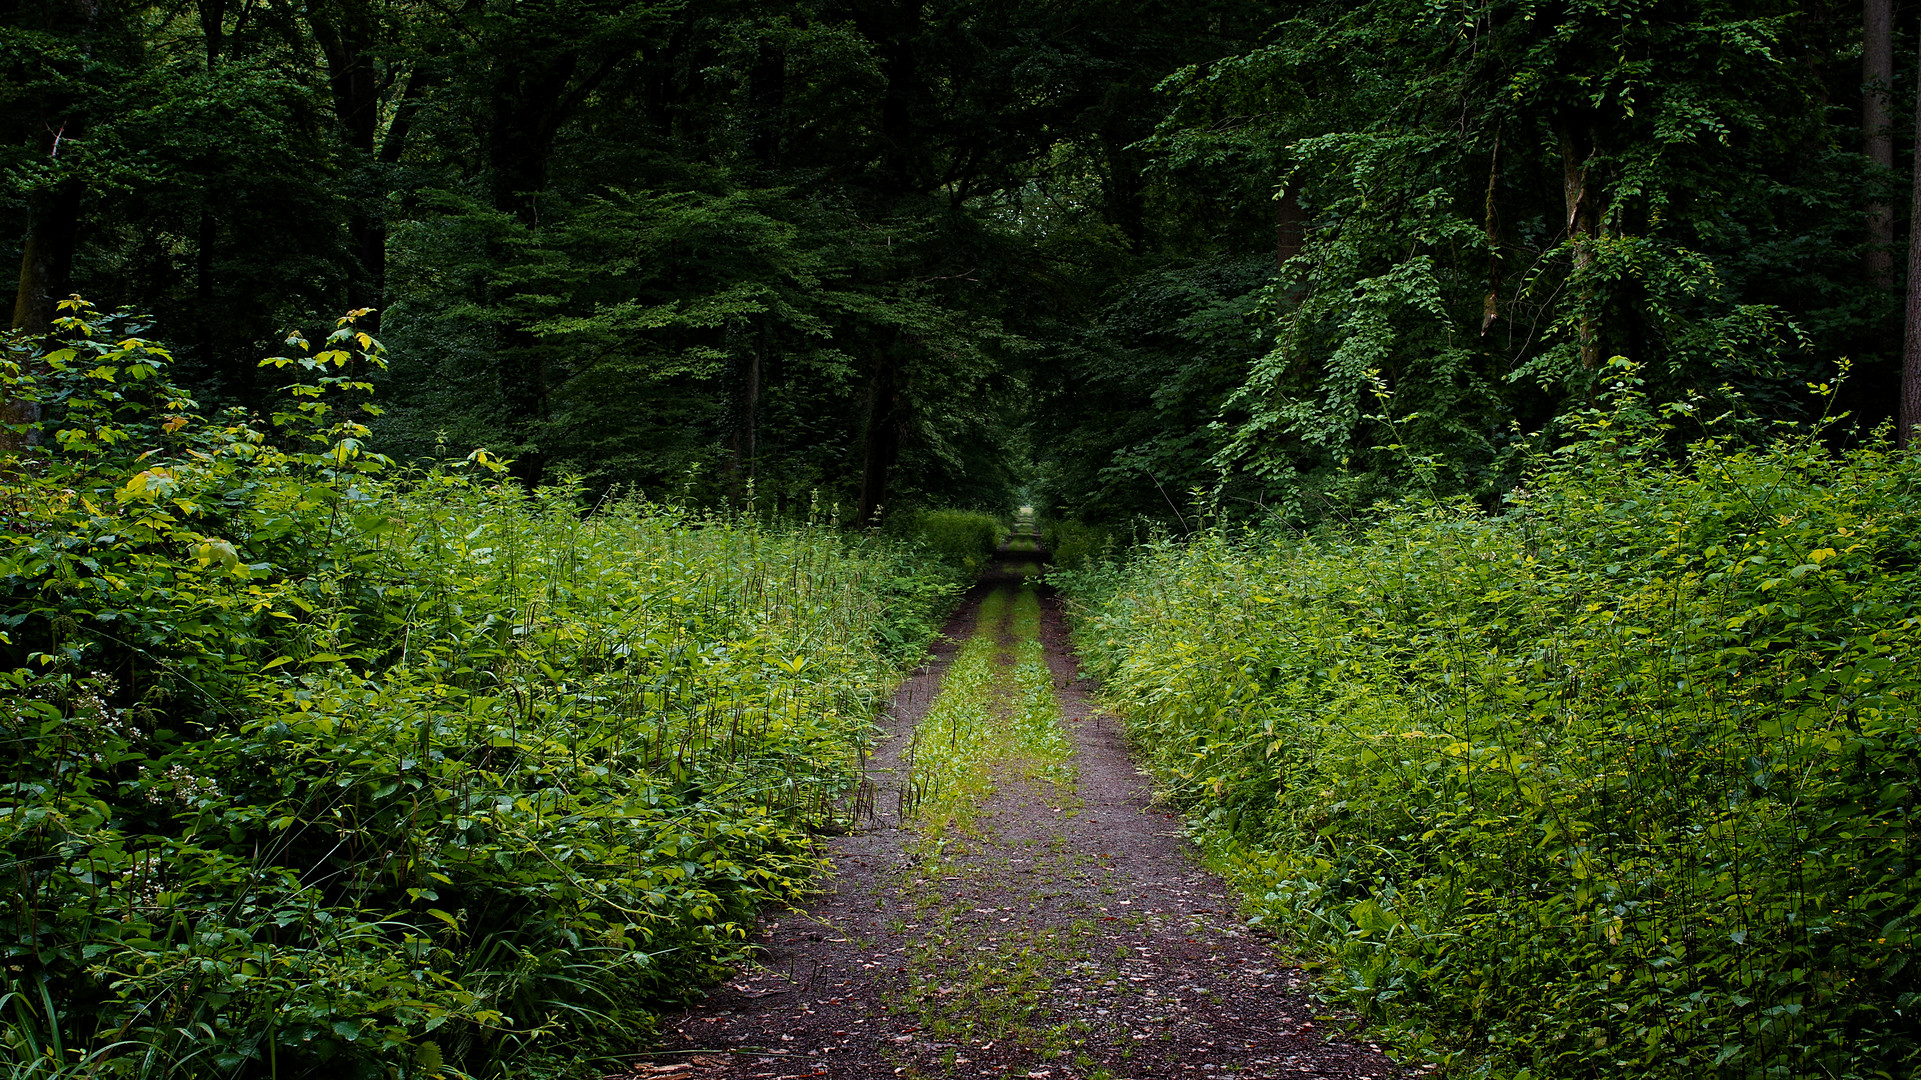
x: 532, y: 70
x: 1877, y: 131
x: 56, y: 40
x: 62, y: 71
x: 1601, y: 145
x: 1910, y: 391
x: 376, y: 84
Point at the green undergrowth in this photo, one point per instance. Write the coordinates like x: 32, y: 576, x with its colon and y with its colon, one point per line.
x: 989, y: 716
x: 964, y: 539
x: 1619, y: 782
x: 318, y: 768
x: 1072, y: 544
x: 947, y: 757
x: 1033, y: 718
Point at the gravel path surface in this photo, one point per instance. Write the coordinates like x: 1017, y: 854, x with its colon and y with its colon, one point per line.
x: 1068, y: 934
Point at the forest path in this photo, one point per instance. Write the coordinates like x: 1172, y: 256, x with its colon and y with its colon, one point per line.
x: 1060, y: 930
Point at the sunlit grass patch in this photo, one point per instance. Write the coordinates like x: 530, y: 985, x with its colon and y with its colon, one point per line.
x: 948, y: 758
x: 989, y: 717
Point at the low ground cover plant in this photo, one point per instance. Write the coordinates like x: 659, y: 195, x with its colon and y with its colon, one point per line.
x: 996, y: 713
x: 319, y: 767
x: 1620, y: 781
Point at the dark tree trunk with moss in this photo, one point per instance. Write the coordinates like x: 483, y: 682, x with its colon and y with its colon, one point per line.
x: 1580, y: 200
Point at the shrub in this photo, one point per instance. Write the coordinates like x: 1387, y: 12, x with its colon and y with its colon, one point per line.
x: 1071, y: 545
x: 1619, y: 782
x: 964, y: 539
x: 314, y: 771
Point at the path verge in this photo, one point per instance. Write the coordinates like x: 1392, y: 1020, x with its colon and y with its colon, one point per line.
x: 1016, y: 905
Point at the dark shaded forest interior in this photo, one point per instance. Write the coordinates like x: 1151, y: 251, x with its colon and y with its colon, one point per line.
x: 1467, y: 440
x: 936, y: 253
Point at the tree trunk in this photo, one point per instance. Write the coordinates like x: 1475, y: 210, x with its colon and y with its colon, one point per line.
x: 1577, y: 157
x: 367, y: 226
x: 1877, y: 79
x: 900, y: 177
x: 1910, y: 412
x: 1290, y: 227
x: 53, y: 220
x: 528, y: 107
x: 882, y: 442
x: 46, y: 277
x: 661, y: 103
x: 46, y: 260
x: 901, y: 156
x: 367, y: 244
x: 348, y: 34
x: 1491, y: 226
x: 213, y: 18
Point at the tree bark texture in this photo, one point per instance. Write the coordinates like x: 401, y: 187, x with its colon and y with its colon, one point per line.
x: 1491, y: 225
x: 1910, y: 411
x: 1877, y: 79
x: 1577, y: 159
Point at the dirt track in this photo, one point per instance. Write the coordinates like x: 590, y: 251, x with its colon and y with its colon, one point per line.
x: 1069, y: 935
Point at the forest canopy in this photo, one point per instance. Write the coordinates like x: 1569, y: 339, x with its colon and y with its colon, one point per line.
x: 473, y: 473
x: 1096, y: 255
